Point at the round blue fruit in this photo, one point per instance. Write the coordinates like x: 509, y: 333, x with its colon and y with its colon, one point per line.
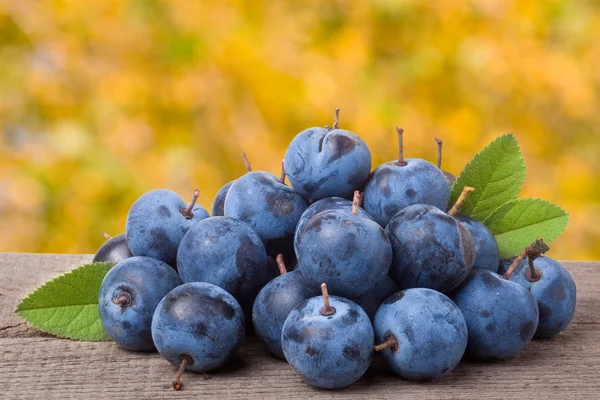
x: 219, y: 201
x: 426, y: 333
x: 156, y: 224
x: 393, y: 187
x: 430, y: 248
x: 328, y: 351
x: 114, y: 250
x: 328, y: 203
x: 129, y: 294
x: 486, y: 248
x: 200, y: 321
x: 554, y: 290
x: 274, y: 303
x: 271, y: 208
x: 321, y: 162
x: 352, y: 254
x: 501, y: 316
x: 225, y: 252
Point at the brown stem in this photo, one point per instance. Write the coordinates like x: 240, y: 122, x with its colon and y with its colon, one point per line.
x: 122, y: 301
x: 356, y: 202
x: 533, y: 274
x: 246, y: 162
x: 281, y: 264
x: 532, y: 251
x: 400, y: 161
x: 362, y: 197
x: 336, y: 119
x: 106, y: 235
x: 282, y: 176
x: 391, y: 343
x: 461, y: 200
x: 177, y: 383
x: 187, y: 212
x: 439, y: 156
x: 327, y: 308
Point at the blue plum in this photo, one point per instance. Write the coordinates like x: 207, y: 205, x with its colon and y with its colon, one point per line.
x: 423, y: 334
x: 371, y: 301
x: 395, y: 185
x: 129, y: 294
x: 352, y: 254
x: 553, y: 288
x: 197, y: 326
x: 157, y: 222
x: 225, y: 252
x: 325, y: 162
x: 431, y: 249
x: 115, y: 249
x: 328, y: 341
x: 270, y: 207
x: 486, y: 248
x: 274, y: 303
x: 328, y: 203
x: 501, y: 316
x: 219, y: 201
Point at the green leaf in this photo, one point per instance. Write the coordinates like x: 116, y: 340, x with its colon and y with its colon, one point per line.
x: 67, y: 306
x: 497, y: 173
x: 517, y: 224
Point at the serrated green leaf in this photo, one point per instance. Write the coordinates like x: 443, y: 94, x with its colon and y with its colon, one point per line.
x: 67, y: 306
x: 497, y: 173
x: 517, y: 224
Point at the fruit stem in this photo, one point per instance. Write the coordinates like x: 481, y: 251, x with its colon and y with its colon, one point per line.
x: 400, y: 161
x: 460, y: 201
x: 122, y: 301
x: 439, y: 156
x: 391, y: 343
x: 177, y: 383
x: 187, y: 212
x: 362, y: 197
x: 327, y: 308
x: 246, y: 162
x: 336, y: 119
x: 532, y: 251
x: 356, y: 200
x: 281, y: 264
x: 106, y: 235
x: 282, y: 176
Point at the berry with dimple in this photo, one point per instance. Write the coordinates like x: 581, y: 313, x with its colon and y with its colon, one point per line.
x: 129, y: 294
x: 328, y: 341
x: 327, y: 162
x: 157, y: 222
x: 431, y: 249
x: 551, y: 285
x: 267, y: 204
x: 502, y: 316
x: 395, y: 185
x: 197, y: 326
x: 115, y: 249
x: 227, y: 253
x: 351, y: 253
x: 422, y: 333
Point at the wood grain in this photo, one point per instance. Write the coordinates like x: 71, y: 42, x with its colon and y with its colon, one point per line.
x: 34, y: 365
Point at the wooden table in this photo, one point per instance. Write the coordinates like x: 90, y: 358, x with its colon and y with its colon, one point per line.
x: 37, y: 366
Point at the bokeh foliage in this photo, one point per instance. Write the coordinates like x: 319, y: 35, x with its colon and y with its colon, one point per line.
x: 102, y: 100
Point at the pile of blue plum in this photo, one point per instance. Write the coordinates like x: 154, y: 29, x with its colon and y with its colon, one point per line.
x: 340, y: 264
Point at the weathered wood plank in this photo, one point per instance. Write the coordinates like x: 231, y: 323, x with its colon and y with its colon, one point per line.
x: 33, y: 365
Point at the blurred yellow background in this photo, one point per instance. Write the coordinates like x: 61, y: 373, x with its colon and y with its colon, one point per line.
x: 103, y: 100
